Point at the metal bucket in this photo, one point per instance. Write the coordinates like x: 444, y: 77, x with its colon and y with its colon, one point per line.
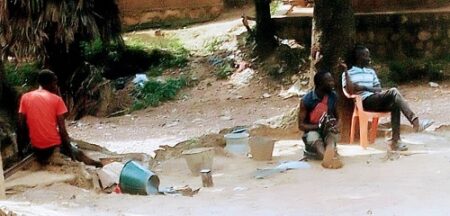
x: 136, y: 179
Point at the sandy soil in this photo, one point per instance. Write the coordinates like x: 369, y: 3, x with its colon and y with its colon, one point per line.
x: 369, y: 184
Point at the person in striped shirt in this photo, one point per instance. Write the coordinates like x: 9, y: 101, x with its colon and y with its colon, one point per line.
x: 362, y: 80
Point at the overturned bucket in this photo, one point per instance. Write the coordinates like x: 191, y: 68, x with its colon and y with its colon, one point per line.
x: 198, y: 159
x: 136, y: 179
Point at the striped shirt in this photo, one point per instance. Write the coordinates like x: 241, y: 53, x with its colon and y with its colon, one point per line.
x: 365, y: 77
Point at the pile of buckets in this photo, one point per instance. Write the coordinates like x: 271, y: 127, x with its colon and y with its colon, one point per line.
x: 136, y: 179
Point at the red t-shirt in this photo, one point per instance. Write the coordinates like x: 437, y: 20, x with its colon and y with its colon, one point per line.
x: 319, y: 110
x: 41, y: 109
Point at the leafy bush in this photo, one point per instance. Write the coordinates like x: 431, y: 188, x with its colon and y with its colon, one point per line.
x: 213, y: 44
x: 412, y: 69
x: 24, y: 75
x: 153, y: 92
x: 135, y: 57
x: 223, y: 71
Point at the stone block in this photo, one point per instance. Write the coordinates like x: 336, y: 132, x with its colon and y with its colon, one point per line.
x: 424, y: 35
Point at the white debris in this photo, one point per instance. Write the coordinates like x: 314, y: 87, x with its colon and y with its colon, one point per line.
x: 140, y: 79
x: 242, y: 78
x: 294, y: 90
x: 110, y: 174
x: 433, y: 85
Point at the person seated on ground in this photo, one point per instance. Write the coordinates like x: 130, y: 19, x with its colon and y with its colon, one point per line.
x: 361, y: 79
x: 317, y: 118
x: 42, y: 121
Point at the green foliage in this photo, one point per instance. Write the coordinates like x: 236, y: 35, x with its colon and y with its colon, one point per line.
x: 223, y: 71
x: 274, y: 5
x: 137, y: 56
x: 170, y: 51
x: 413, y: 69
x: 213, y: 44
x: 153, y: 92
x: 24, y: 75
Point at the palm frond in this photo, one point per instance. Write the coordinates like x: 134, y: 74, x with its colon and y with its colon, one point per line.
x: 27, y: 27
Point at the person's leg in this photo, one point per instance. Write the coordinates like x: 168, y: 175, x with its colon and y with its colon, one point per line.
x: 388, y: 101
x: 43, y: 155
x: 315, y: 143
x: 385, y: 102
x: 330, y: 159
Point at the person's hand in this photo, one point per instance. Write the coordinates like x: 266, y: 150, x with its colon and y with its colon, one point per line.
x: 66, y: 148
x: 341, y: 65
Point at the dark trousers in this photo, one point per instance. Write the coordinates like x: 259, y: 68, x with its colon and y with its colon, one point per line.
x: 390, y: 101
x: 43, y: 155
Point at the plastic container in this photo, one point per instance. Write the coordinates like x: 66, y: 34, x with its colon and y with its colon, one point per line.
x: 261, y: 148
x: 136, y: 179
x: 237, y: 143
x: 198, y: 159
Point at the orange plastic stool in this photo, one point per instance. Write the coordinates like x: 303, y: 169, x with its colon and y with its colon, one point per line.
x: 364, y: 116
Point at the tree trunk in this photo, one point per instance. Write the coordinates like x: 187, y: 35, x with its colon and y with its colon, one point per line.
x: 265, y: 31
x: 333, y: 33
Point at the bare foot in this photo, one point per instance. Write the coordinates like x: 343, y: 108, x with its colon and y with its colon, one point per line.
x: 335, y: 163
x: 330, y: 161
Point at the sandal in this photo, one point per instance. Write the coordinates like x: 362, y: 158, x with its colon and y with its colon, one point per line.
x: 424, y: 124
x: 397, y: 146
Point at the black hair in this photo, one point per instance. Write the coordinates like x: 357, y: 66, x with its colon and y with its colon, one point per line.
x: 318, y: 77
x: 46, y: 77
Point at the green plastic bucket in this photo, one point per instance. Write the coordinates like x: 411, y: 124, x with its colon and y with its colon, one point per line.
x: 136, y: 179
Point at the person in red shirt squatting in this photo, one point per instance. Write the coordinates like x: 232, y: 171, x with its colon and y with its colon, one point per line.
x: 42, y: 114
x: 317, y: 118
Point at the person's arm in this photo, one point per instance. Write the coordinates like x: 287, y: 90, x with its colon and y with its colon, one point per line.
x: 23, y: 139
x: 353, y: 87
x: 301, y: 119
x: 346, y: 81
x: 65, y: 139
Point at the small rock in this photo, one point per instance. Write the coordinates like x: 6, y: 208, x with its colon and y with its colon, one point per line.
x: 197, y: 120
x: 433, y: 85
x: 226, y: 118
x: 266, y: 95
x: 424, y: 35
x: 240, y: 189
x: 239, y: 97
x: 175, y: 123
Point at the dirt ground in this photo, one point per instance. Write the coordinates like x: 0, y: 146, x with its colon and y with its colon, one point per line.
x: 368, y: 184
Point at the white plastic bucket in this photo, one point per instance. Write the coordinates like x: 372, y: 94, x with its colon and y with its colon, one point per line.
x: 237, y: 143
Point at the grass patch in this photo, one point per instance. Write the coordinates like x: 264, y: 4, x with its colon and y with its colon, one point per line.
x: 170, y: 50
x: 153, y: 92
x: 23, y: 75
x: 140, y: 54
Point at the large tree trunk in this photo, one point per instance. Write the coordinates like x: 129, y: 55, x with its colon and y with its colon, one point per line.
x: 8, y: 113
x: 333, y: 33
x: 265, y: 31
